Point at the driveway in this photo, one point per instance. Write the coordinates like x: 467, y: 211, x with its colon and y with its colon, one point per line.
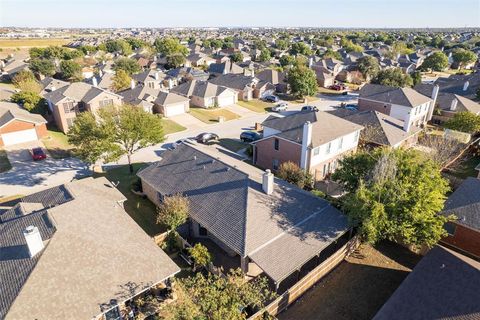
x: 28, y: 176
x: 188, y: 121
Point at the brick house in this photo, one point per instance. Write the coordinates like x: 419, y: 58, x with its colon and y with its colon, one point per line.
x: 314, y: 140
x: 67, y: 102
x: 404, y: 104
x: 464, y: 232
x: 17, y: 125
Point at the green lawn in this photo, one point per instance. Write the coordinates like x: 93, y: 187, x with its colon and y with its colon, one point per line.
x: 170, y: 126
x: 232, y: 144
x: 465, y: 167
x: 256, y: 105
x: 142, y: 210
x: 211, y: 115
x: 57, y: 144
x: 4, y: 163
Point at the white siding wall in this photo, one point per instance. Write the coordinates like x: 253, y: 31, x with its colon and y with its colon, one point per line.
x: 337, y: 146
x: 417, y: 113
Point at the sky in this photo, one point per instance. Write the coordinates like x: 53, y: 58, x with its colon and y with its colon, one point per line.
x: 240, y: 13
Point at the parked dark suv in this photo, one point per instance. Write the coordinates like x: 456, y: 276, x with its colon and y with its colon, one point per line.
x: 249, y: 136
x: 271, y: 98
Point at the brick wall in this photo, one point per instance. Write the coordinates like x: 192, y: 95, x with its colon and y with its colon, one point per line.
x: 365, y: 105
x: 17, y: 125
x: 465, y: 239
x: 266, y: 153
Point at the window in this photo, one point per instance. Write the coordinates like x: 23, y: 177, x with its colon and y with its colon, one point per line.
x: 275, y: 164
x: 68, y: 107
x: 324, y: 170
x: 340, y: 144
x: 329, y: 147
x: 450, y: 228
x: 276, y: 144
x: 316, y: 151
x: 202, y: 231
x: 151, y: 84
x: 106, y: 102
x: 113, y: 314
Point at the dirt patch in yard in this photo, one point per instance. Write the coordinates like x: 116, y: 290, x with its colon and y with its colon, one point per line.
x: 358, y: 287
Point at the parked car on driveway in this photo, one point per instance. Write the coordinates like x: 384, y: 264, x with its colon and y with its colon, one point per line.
x: 271, y: 98
x: 337, y: 87
x: 250, y: 136
x: 351, y: 107
x: 309, y: 108
x: 206, y: 137
x: 282, y: 106
x: 38, y: 154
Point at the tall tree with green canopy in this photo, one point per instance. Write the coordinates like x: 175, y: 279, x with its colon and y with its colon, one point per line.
x: 25, y: 81
x: 121, y: 80
x: 300, y: 48
x: 394, y: 195
x: 286, y: 60
x: 281, y: 44
x: 302, y: 81
x: 368, y: 66
x: 120, y: 46
x: 236, y: 56
x: 130, y: 66
x: 169, y: 46
x: 175, y: 60
x: 465, y: 122
x: 463, y: 57
x: 200, y: 255
x: 42, y: 66
x: 217, y: 298
x: 437, y: 61
x: 393, y: 77
x: 118, y: 131
x: 264, y: 55
x: 71, y: 70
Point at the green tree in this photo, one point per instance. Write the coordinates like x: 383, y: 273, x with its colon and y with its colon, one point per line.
x: 136, y: 43
x: 236, y: 56
x: 120, y: 46
x: 302, y: 81
x: 169, y: 46
x: 264, y: 55
x: 175, y: 60
x: 87, y: 49
x: 31, y: 101
x: 393, y: 77
x: 400, y: 47
x: 292, y: 173
x: 437, y: 61
x: 121, y: 80
x: 465, y: 122
x: 71, y: 70
x: 416, y: 78
x: 122, y: 130
x: 332, y: 54
x: 300, y: 48
x: 200, y: 255
x: 286, y: 60
x: 217, y: 298
x: 395, y: 196
x: 368, y: 66
x: 463, y: 57
x: 281, y: 44
x: 42, y: 66
x: 130, y: 66
x: 173, y: 212
x: 25, y: 81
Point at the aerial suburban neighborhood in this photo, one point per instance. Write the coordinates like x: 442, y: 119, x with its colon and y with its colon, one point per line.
x: 274, y: 161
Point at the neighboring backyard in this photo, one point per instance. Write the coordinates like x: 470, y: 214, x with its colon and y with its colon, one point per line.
x: 139, y: 208
x: 211, y: 115
x: 170, y: 126
x: 256, y: 105
x: 358, y: 287
x: 4, y: 163
x: 57, y: 144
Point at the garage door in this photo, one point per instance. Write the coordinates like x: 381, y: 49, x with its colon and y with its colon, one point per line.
x: 19, y: 137
x: 226, y: 101
x: 174, y: 109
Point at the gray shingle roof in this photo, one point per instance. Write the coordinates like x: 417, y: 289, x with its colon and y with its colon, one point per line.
x: 401, y: 96
x: 443, y: 285
x: 10, y: 111
x: 197, y: 88
x: 229, y: 202
x: 464, y: 203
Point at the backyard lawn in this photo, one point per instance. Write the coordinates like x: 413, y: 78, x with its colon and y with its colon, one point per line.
x: 465, y: 167
x: 232, y: 144
x: 57, y: 144
x: 211, y: 115
x: 140, y: 209
x: 4, y: 163
x: 358, y: 287
x: 170, y: 126
x: 256, y: 105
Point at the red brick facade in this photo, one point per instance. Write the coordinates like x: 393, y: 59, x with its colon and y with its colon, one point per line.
x: 265, y: 152
x: 465, y: 239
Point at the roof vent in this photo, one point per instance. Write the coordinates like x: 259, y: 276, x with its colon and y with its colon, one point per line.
x: 34, y: 240
x: 204, y: 167
x: 194, y: 157
x: 227, y: 169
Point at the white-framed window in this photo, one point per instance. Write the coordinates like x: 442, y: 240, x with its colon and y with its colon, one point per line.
x: 329, y: 147
x: 68, y: 107
x: 357, y: 135
x: 316, y: 151
x: 340, y: 144
x: 106, y: 102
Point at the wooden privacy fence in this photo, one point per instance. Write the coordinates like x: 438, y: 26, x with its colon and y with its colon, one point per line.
x: 288, y: 297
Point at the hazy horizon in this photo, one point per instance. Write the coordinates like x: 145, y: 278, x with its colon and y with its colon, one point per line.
x: 376, y: 14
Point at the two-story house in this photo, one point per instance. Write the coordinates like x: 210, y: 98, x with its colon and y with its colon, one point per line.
x: 403, y: 104
x: 67, y: 102
x: 314, y: 140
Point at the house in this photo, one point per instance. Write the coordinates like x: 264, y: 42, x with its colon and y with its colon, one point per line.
x: 404, y: 104
x: 464, y: 232
x: 198, y: 59
x: 72, y: 251
x: 17, y: 125
x: 277, y: 78
x: 443, y: 285
x: 140, y: 96
x: 325, y: 77
x: 314, y: 140
x: 383, y: 130
x: 171, y: 104
x: 226, y: 67
x: 66, y: 102
x: 261, y: 224
x: 51, y: 84
x: 13, y: 67
x: 247, y: 87
x: 180, y: 75
x: 462, y: 85
x: 151, y: 78
x: 205, y: 94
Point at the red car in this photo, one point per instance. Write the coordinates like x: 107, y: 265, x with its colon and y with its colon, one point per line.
x: 38, y: 154
x: 337, y: 87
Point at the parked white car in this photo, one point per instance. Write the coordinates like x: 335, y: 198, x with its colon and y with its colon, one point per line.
x: 282, y: 106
